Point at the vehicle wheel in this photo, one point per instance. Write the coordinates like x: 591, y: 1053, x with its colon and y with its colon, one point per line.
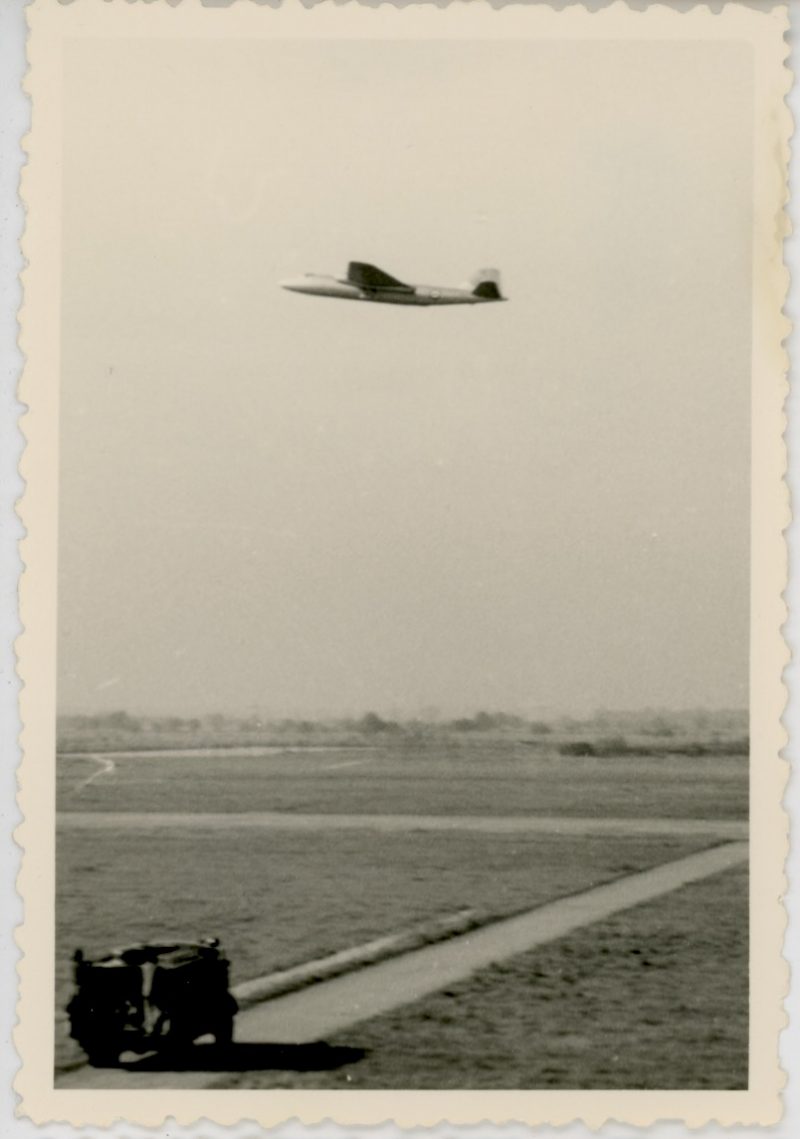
x: 223, y: 1032
x: 102, y: 1057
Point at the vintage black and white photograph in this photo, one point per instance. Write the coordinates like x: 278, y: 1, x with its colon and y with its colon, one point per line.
x: 404, y: 616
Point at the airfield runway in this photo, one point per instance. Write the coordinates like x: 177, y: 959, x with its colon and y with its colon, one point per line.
x: 319, y: 1011
x: 284, y: 820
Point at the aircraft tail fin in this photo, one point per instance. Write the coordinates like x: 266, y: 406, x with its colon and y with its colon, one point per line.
x: 486, y: 284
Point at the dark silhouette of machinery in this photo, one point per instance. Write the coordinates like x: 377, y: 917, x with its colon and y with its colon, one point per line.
x: 151, y: 997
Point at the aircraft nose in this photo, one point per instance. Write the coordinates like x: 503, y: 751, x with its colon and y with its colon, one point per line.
x: 294, y: 284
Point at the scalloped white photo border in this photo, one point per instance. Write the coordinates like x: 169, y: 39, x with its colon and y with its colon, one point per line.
x: 50, y: 23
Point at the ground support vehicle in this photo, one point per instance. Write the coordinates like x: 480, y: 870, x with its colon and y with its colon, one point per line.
x: 160, y: 996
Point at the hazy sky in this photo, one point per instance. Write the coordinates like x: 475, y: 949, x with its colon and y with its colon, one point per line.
x: 304, y: 505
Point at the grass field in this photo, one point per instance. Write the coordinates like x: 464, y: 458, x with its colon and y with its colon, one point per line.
x: 653, y: 998
x: 492, y: 779
x: 279, y: 897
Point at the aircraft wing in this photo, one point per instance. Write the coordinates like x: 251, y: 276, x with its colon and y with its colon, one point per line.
x: 370, y: 277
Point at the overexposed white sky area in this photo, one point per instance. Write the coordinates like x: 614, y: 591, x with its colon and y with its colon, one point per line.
x: 306, y: 506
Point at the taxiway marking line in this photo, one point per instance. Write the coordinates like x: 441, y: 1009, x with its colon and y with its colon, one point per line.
x: 106, y: 766
x: 347, y: 763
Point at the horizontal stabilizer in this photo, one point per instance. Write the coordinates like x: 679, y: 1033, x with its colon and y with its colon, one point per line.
x: 369, y: 277
x: 486, y: 284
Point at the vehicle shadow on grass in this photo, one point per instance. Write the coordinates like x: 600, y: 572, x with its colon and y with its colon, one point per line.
x: 317, y: 1057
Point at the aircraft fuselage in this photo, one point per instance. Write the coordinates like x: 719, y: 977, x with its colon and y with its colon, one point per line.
x: 320, y: 286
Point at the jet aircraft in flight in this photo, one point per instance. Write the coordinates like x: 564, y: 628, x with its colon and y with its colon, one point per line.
x: 368, y: 283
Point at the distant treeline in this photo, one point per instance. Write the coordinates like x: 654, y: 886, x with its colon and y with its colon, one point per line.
x: 713, y: 744
x: 694, y: 731
x: 369, y: 724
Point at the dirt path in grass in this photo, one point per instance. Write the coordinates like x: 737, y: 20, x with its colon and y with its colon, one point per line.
x: 286, y: 820
x: 280, y: 1030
